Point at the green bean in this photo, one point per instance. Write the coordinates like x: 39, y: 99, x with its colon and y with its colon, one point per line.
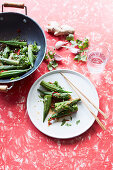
x: 47, y: 104
x: 14, y: 73
x: 66, y: 106
x: 30, y: 54
x: 9, y: 61
x: 11, y: 67
x: 52, y: 87
x: 56, y: 95
x: 14, y: 43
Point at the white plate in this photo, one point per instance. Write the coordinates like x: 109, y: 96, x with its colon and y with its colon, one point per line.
x: 35, y: 105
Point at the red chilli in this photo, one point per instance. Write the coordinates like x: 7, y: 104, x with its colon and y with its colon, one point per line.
x: 18, y: 52
x: 2, y: 71
x: 53, y: 93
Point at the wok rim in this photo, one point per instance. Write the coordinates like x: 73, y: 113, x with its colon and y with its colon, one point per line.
x: 34, y: 68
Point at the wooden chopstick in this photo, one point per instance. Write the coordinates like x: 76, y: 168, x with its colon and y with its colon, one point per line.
x: 75, y: 89
x: 105, y: 116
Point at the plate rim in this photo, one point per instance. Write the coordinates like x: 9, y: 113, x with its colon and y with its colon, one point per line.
x: 53, y: 72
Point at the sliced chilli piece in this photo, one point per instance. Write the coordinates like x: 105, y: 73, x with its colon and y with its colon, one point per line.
x: 18, y: 52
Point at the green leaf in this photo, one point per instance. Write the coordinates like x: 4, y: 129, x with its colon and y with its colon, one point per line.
x: 68, y: 124
x: 83, y: 58
x: 46, y: 57
x: 54, y: 63
x: 78, y: 42
x: 70, y: 117
x: 51, y: 54
x: 77, y: 122
x: 70, y: 37
x: 49, y: 66
x: 82, y: 44
x: 77, y: 57
x: 63, y: 122
x: 85, y: 43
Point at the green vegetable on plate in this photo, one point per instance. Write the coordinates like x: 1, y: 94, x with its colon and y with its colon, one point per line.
x: 56, y: 95
x: 66, y: 105
x: 73, y: 108
x: 47, y: 104
x: 52, y: 87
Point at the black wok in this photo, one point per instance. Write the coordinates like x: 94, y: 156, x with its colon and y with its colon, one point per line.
x: 11, y: 23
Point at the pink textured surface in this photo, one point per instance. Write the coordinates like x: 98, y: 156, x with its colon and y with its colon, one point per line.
x: 22, y: 146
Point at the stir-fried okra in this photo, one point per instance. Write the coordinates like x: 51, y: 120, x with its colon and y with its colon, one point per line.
x: 65, y: 107
x: 16, y: 57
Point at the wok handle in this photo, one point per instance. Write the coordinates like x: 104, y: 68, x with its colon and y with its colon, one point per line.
x: 17, y: 5
x: 5, y: 88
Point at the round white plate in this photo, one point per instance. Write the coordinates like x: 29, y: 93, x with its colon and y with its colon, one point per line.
x: 35, y: 105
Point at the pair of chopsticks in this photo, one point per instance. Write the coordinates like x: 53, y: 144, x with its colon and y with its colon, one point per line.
x: 78, y: 92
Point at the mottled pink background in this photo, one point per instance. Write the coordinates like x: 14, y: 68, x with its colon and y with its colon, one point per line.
x: 22, y: 146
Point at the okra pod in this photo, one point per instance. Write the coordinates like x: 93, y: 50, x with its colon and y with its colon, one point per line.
x: 61, y: 103
x: 66, y: 106
x: 14, y: 43
x: 14, y: 73
x: 64, y: 96
x: 47, y: 104
x: 45, y: 92
x: 73, y: 108
x: 9, y: 61
x: 52, y: 87
x: 30, y: 54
